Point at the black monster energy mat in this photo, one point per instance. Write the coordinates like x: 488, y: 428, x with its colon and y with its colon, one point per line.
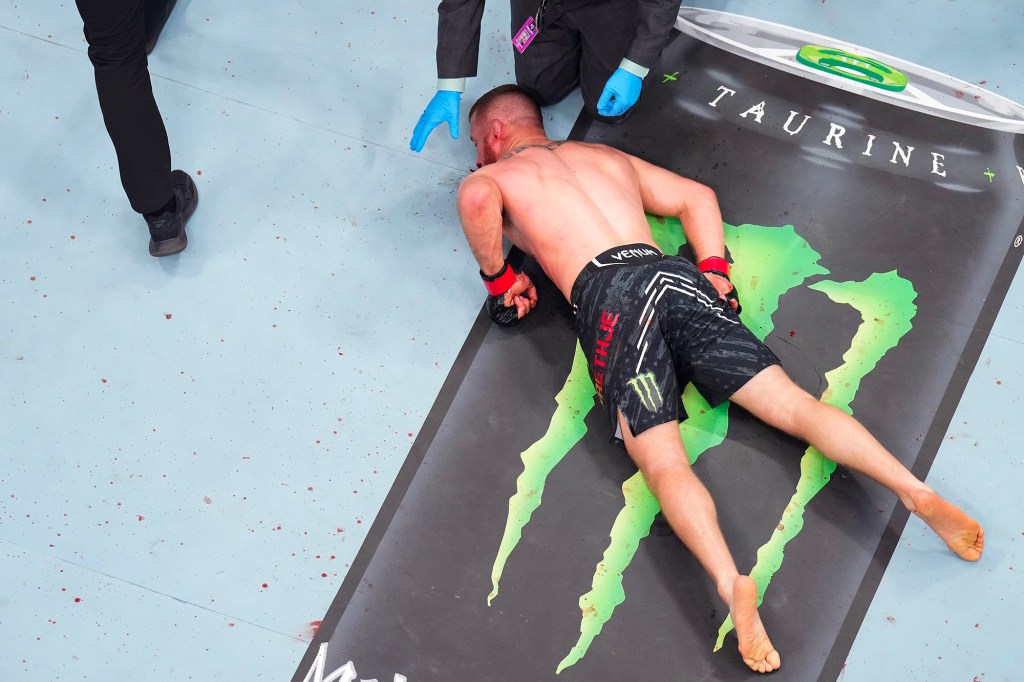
x: 872, y: 246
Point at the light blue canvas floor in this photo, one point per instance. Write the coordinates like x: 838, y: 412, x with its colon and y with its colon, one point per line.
x: 192, y: 448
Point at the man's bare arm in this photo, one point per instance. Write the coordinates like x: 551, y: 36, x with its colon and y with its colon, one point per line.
x: 511, y: 295
x: 664, y: 193
x: 480, y: 210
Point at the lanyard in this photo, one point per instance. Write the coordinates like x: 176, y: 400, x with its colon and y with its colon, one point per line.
x: 539, y: 16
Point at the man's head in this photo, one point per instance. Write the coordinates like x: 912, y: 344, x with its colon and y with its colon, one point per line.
x: 497, y: 114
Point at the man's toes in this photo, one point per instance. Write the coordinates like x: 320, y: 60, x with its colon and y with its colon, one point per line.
x: 769, y: 663
x: 969, y: 548
x: 972, y: 551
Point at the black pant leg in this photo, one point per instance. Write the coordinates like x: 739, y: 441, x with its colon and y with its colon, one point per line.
x: 550, y: 67
x: 115, y: 31
x: 606, y: 30
x: 155, y: 11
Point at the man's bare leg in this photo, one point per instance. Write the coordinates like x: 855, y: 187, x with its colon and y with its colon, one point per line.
x: 660, y: 456
x: 773, y: 397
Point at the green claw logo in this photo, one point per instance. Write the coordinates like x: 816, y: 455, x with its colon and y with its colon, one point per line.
x: 770, y: 261
x: 646, y: 387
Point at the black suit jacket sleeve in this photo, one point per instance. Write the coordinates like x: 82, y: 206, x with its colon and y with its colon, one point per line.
x: 458, y: 37
x: 458, y: 34
x: 655, y: 19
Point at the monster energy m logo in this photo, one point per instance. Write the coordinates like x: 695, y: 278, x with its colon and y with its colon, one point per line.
x: 646, y: 387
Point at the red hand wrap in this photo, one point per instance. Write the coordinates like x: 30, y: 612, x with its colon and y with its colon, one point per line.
x: 499, y: 282
x: 714, y: 263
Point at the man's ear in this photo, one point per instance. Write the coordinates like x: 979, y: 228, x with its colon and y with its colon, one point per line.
x: 496, y: 127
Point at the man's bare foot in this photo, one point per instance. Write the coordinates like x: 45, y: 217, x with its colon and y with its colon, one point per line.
x: 755, y: 648
x: 960, y: 532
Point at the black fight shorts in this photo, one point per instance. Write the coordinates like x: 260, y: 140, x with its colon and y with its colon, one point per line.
x: 651, y: 323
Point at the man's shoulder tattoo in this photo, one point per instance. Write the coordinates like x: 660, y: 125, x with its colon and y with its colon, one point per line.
x: 554, y: 144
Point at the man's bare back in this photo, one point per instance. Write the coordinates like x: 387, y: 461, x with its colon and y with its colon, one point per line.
x: 567, y: 202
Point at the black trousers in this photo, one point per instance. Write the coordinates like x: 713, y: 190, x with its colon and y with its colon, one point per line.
x: 116, y: 33
x: 582, y: 47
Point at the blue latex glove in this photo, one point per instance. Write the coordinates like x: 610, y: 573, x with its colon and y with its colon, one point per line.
x: 620, y: 93
x: 443, y: 107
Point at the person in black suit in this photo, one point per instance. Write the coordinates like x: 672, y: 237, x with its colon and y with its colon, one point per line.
x: 120, y: 34
x: 606, y: 47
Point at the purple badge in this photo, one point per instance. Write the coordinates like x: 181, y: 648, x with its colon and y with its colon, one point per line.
x: 525, y: 35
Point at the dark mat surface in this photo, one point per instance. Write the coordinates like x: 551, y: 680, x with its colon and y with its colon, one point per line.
x: 874, y: 271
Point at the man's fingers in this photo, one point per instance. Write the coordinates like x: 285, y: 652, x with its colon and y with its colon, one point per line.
x: 421, y: 132
x: 522, y: 294
x: 522, y: 303
x: 612, y: 108
x: 531, y: 294
x: 522, y: 307
x: 523, y: 284
x: 729, y: 298
x: 443, y: 107
x: 726, y: 291
x: 721, y: 284
x: 620, y: 93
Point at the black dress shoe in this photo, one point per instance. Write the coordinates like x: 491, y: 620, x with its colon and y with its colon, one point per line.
x: 155, y: 24
x: 167, y: 230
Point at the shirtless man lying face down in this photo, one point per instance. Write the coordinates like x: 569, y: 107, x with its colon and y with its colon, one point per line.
x: 578, y: 210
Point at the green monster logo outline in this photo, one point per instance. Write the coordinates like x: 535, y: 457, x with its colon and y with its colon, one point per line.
x: 647, y: 389
x: 770, y: 261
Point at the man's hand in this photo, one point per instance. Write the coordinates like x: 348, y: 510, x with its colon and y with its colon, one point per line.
x: 620, y: 93
x: 444, y: 106
x: 523, y: 295
x: 508, y: 308
x: 716, y: 269
x: 726, y: 290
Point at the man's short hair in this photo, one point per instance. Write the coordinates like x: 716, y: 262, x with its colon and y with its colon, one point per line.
x: 509, y: 102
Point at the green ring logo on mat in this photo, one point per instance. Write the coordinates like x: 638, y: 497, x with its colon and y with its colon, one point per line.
x: 855, y: 67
